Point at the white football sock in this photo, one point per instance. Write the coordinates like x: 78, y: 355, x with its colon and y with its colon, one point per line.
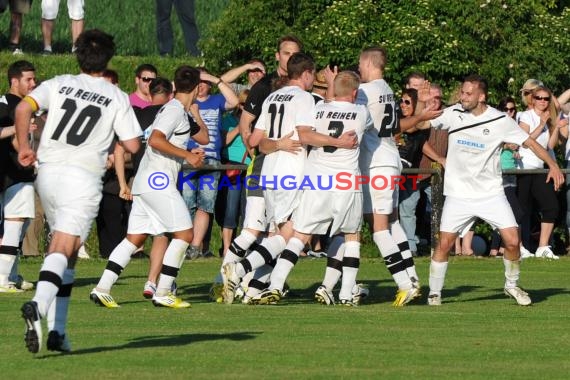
x: 437, y: 272
x: 173, y: 258
x: 50, y: 279
x: 9, y: 249
x: 392, y: 258
x: 350, y: 265
x: 399, y: 236
x: 512, y: 272
x: 333, y: 271
x: 285, y: 263
x: 118, y: 260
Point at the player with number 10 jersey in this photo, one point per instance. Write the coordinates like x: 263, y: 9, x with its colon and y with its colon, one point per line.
x: 84, y: 114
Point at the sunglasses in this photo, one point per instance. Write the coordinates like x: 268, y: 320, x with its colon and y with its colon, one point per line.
x: 545, y: 98
x: 510, y: 109
x: 146, y: 79
x: 406, y: 102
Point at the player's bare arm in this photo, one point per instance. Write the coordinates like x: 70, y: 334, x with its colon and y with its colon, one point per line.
x: 124, y: 190
x: 285, y: 143
x: 245, y: 121
x: 308, y: 136
x: 230, y: 76
x: 256, y: 137
x: 23, y: 116
x: 158, y: 141
x: 202, y: 136
x: 225, y: 89
x: 554, y: 172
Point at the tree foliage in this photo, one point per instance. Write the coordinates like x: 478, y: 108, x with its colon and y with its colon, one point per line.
x: 507, y: 41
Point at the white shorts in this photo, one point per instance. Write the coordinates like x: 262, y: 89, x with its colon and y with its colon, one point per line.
x: 280, y: 204
x: 317, y: 209
x: 254, y: 218
x: 380, y: 196
x: 75, y: 10
x: 70, y: 197
x: 458, y: 214
x: 18, y: 201
x: 158, y: 212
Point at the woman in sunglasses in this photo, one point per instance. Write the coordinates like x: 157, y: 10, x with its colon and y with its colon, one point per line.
x: 541, y: 122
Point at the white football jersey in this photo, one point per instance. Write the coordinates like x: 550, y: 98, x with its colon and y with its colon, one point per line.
x: 282, y: 112
x: 85, y: 112
x: 378, y: 146
x: 332, y: 167
x: 473, y: 165
x: 158, y: 171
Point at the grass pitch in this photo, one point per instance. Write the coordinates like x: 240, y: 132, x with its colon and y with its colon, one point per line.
x: 477, y: 333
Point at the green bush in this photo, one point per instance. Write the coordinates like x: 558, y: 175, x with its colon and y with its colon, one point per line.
x: 506, y: 41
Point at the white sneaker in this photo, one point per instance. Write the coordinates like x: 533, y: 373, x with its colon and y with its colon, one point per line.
x: 359, y: 293
x: 231, y: 281
x: 434, y: 300
x: 170, y: 300
x: 525, y: 253
x: 323, y: 296
x: 519, y: 295
x: 545, y: 253
x: 149, y: 289
x: 82, y: 253
x: 10, y: 288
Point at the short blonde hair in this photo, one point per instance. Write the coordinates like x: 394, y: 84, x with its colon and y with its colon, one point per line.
x: 345, y: 83
x: 377, y: 56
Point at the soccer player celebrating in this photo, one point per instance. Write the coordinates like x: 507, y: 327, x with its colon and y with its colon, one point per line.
x: 379, y: 158
x: 473, y: 181
x: 328, y: 199
x: 282, y: 112
x: 158, y: 206
x: 85, y: 111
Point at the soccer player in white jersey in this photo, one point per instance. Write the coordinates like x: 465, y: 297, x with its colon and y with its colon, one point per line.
x: 473, y: 181
x: 380, y: 161
x: 282, y: 112
x: 331, y: 194
x: 158, y: 206
x: 85, y: 112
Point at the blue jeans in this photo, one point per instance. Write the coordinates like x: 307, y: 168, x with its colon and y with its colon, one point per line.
x: 408, y: 202
x: 201, y: 190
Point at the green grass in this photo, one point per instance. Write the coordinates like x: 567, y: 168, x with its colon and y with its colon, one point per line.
x: 478, y: 333
x: 132, y: 22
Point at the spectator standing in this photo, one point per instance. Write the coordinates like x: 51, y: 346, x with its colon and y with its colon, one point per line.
x: 18, y: 8
x: 541, y: 122
x: 185, y: 12
x: 143, y: 75
x: 230, y: 202
x: 50, y: 9
x: 255, y: 70
x: 201, y: 198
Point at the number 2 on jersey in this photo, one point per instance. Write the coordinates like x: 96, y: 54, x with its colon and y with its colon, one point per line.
x: 88, y: 116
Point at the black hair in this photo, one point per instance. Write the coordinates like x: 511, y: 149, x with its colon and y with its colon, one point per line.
x: 145, y: 67
x: 16, y: 69
x: 186, y: 79
x: 298, y: 64
x: 95, y: 49
x: 160, y: 86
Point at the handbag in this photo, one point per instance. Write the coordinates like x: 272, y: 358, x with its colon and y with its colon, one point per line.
x: 233, y: 173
